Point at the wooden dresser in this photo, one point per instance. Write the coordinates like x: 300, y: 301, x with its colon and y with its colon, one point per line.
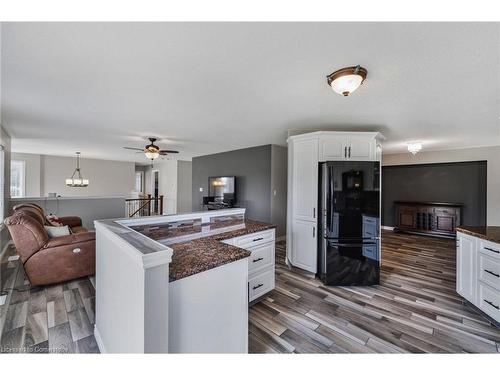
x: 431, y: 218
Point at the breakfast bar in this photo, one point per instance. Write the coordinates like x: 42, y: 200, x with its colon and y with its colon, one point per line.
x: 180, y: 283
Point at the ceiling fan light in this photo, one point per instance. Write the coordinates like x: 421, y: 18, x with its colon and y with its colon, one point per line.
x: 151, y: 155
x: 347, y: 80
x: 414, y: 147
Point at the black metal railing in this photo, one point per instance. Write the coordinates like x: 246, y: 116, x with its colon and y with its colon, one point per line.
x: 147, y: 206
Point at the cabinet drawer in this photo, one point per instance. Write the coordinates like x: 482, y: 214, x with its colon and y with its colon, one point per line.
x: 489, y: 271
x: 489, y: 248
x: 260, y: 284
x: 489, y: 301
x: 254, y: 239
x: 370, y: 251
x: 261, y: 257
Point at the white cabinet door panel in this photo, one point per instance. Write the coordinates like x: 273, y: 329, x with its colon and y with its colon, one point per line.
x: 333, y: 148
x: 305, y: 179
x: 361, y: 148
x: 304, y: 251
x: 466, y: 267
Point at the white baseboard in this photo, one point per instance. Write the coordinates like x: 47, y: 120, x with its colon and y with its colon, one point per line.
x: 98, y: 340
x: 387, y: 228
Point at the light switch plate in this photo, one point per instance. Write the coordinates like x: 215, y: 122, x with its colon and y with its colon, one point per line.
x: 13, y: 258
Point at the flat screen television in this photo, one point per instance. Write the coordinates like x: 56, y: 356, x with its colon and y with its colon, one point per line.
x: 222, y: 188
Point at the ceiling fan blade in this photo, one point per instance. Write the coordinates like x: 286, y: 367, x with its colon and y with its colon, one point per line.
x: 168, y: 152
x: 134, y: 148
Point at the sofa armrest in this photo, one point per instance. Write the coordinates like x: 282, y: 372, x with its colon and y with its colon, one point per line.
x: 71, y: 221
x: 71, y: 239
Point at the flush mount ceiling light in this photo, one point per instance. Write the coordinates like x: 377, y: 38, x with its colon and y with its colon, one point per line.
x: 346, y: 80
x: 76, y: 179
x: 414, y: 147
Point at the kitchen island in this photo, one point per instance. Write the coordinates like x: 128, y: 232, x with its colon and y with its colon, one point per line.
x: 178, y: 283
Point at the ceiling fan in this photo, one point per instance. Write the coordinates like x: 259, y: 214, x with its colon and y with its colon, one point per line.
x: 152, y: 151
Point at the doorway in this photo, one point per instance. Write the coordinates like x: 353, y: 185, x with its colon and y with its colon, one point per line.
x: 155, y: 188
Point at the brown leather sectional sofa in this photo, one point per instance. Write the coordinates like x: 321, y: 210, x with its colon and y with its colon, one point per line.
x: 51, y: 260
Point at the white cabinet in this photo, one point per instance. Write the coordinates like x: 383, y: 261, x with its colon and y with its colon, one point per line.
x: 348, y: 146
x: 305, y: 152
x: 261, y: 267
x: 305, y: 179
x: 478, y: 273
x: 466, y: 261
x: 304, y: 250
x: 333, y: 147
x: 361, y: 148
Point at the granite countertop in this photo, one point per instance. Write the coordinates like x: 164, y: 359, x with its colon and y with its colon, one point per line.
x: 485, y: 232
x: 203, y: 249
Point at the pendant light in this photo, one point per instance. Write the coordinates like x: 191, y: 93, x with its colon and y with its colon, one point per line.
x: 76, y: 179
x: 346, y: 80
x: 414, y: 147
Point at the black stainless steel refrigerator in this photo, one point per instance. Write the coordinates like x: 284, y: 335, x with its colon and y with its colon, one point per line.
x: 349, y: 248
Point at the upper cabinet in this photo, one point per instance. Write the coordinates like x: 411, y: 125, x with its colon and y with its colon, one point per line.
x: 305, y: 179
x: 333, y: 147
x: 348, y: 146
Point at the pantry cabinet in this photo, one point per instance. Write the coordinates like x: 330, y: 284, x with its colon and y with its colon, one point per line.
x: 305, y: 152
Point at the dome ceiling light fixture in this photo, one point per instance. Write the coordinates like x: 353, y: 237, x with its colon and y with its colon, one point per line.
x: 346, y: 80
x: 414, y: 147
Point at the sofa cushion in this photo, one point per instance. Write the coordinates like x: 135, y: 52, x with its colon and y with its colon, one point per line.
x: 57, y: 231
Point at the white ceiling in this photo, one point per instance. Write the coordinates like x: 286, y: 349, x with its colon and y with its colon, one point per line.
x: 212, y: 87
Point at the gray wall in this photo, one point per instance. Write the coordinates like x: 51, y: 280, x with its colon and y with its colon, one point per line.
x: 444, y: 182
x: 89, y: 209
x: 252, y: 168
x: 490, y: 154
x: 184, y: 186
x: 279, y: 157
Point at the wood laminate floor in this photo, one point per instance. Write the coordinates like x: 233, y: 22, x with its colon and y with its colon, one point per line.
x: 415, y: 309
x: 51, y: 319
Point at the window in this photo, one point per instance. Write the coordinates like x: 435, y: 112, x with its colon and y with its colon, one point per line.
x: 139, y: 181
x: 17, y: 179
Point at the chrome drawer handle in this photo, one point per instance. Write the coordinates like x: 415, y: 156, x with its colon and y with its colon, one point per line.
x: 257, y: 286
x: 492, y: 273
x: 488, y: 302
x: 495, y: 251
x: 258, y: 239
x: 77, y: 250
x: 257, y: 260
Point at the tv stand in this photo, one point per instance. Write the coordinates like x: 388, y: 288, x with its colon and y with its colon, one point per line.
x: 428, y: 218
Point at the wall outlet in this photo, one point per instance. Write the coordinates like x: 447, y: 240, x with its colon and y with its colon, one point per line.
x: 201, y: 190
x: 274, y: 192
x: 3, y: 298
